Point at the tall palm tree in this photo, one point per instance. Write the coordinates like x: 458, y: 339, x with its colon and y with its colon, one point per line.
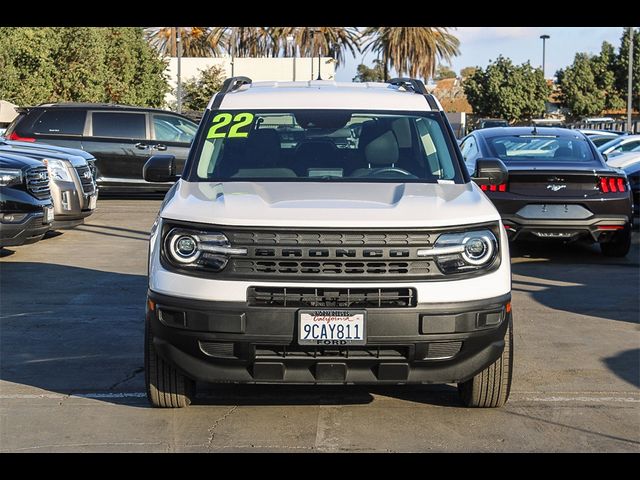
x: 412, y: 50
x: 313, y: 41
x: 243, y: 41
x: 195, y: 41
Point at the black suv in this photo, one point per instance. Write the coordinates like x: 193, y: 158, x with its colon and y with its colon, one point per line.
x: 26, y: 211
x: 122, y: 138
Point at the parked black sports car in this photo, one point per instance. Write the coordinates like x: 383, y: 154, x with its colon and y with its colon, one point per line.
x: 559, y: 186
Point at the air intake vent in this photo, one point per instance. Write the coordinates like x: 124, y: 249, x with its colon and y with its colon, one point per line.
x: 218, y: 349
x: 332, y: 297
x: 442, y: 350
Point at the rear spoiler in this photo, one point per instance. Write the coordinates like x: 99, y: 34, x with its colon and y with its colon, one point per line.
x: 22, y: 109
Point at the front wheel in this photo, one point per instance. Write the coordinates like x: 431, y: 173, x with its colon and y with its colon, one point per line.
x: 619, y: 245
x: 166, y: 387
x: 490, y: 388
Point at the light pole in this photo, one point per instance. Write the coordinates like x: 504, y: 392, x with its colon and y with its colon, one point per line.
x: 179, y: 92
x: 630, y: 80
x: 293, y: 49
x: 544, y: 39
x: 313, y: 31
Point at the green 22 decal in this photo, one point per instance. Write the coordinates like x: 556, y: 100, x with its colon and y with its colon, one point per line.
x: 221, y: 120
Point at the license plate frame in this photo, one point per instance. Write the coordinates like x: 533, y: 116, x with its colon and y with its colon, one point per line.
x: 326, y: 322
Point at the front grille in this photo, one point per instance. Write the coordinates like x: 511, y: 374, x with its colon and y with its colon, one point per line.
x: 272, y: 352
x: 332, y: 297
x: 331, y: 254
x: 86, y: 179
x: 38, y: 182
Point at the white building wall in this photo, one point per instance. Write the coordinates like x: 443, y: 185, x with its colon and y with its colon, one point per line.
x: 257, y: 69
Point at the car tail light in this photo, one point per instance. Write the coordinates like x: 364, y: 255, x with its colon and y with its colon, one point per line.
x: 494, y: 188
x: 612, y: 184
x: 14, y: 136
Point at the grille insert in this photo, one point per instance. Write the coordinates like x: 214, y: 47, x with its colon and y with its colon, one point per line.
x: 332, y: 297
x: 86, y: 179
x: 38, y: 182
x: 271, y: 352
x: 442, y: 350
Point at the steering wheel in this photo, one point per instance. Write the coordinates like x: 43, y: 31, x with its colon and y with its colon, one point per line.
x: 384, y: 170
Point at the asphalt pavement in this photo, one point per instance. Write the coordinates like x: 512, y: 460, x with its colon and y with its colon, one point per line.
x: 71, y: 363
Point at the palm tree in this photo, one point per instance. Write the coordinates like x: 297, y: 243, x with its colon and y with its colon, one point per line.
x: 412, y: 50
x: 195, y: 41
x: 243, y: 41
x: 313, y: 41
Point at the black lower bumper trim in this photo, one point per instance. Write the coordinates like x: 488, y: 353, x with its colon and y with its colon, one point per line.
x: 437, y: 343
x: 517, y: 227
x: 29, y: 230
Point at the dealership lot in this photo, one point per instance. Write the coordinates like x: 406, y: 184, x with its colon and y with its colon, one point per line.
x: 71, y: 358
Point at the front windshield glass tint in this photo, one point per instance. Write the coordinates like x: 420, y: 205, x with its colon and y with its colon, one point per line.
x: 325, y: 145
x: 542, y: 148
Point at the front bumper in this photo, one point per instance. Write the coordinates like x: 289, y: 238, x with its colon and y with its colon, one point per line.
x: 70, y: 201
x: 29, y: 230
x: 235, y: 342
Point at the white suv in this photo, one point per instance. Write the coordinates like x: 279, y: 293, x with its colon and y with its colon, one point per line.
x: 327, y: 232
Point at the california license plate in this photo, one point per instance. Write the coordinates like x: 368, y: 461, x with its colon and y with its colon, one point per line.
x: 93, y: 201
x: 48, y: 215
x: 332, y: 327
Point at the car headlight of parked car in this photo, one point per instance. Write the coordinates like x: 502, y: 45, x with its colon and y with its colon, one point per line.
x: 185, y: 248
x: 10, y: 176
x: 57, y: 170
x: 464, y: 251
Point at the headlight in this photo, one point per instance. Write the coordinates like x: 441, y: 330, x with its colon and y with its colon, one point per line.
x: 192, y: 249
x: 10, y: 176
x: 57, y: 170
x: 458, y: 252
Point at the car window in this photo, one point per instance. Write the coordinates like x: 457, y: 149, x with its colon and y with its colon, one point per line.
x: 629, y: 146
x: 170, y: 128
x: 469, y: 148
x: 544, y: 148
x: 328, y: 145
x: 119, y: 125
x: 60, y: 122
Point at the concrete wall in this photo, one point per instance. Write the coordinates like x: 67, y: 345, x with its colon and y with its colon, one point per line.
x: 258, y: 69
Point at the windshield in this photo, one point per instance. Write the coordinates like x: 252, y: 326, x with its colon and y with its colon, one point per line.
x: 325, y: 145
x: 514, y: 148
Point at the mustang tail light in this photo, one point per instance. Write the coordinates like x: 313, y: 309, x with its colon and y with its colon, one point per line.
x: 494, y: 188
x: 612, y: 184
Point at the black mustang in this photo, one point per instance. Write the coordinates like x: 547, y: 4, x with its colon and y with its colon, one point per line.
x: 559, y: 186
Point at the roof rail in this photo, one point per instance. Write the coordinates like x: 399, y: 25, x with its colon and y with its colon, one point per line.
x: 414, y: 83
x: 233, y: 83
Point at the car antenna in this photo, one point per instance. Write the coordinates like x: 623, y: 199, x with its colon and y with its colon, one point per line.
x: 534, y: 131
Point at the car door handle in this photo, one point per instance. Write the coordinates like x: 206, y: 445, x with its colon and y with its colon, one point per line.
x: 141, y: 146
x: 159, y: 146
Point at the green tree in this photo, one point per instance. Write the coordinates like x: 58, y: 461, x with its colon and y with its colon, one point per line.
x: 412, y: 50
x: 198, y: 91
x: 467, y: 71
x: 374, y: 74
x: 505, y: 90
x: 81, y: 64
x: 443, y: 72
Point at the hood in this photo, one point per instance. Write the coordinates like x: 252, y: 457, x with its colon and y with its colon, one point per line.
x: 316, y: 204
x: 42, y: 153
x: 12, y: 160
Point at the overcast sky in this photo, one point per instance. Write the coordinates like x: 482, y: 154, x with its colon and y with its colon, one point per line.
x: 479, y: 45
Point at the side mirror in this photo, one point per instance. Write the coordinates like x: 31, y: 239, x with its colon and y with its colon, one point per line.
x: 490, y: 171
x: 606, y: 157
x: 160, y: 168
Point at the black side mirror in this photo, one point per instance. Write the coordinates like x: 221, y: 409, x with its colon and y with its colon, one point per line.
x: 490, y: 171
x: 160, y: 168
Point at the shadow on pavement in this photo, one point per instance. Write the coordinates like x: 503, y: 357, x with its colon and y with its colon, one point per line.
x: 626, y: 365
x: 572, y: 278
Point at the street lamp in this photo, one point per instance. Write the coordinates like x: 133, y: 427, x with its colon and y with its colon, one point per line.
x: 630, y: 80
x: 544, y: 39
x: 179, y: 52
x: 313, y: 31
x: 292, y: 48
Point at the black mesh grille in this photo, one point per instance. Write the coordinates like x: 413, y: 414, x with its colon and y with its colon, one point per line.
x: 38, y: 182
x: 218, y: 349
x: 443, y: 350
x: 265, y: 352
x: 330, y: 254
x: 332, y: 297
x: 86, y: 179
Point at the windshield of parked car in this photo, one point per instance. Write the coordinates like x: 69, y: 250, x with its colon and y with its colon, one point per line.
x: 512, y: 148
x: 325, y: 145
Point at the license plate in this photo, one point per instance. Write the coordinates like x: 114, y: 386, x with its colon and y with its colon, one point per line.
x: 93, y: 201
x: 554, y: 212
x: 332, y: 327
x: 48, y: 215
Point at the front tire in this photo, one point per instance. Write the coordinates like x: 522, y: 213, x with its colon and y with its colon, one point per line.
x: 166, y: 387
x: 491, y: 387
x: 619, y: 245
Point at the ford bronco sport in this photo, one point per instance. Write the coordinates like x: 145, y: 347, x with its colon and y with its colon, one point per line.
x: 327, y: 233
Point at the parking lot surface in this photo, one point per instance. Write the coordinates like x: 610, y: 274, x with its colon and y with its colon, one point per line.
x: 72, y: 379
